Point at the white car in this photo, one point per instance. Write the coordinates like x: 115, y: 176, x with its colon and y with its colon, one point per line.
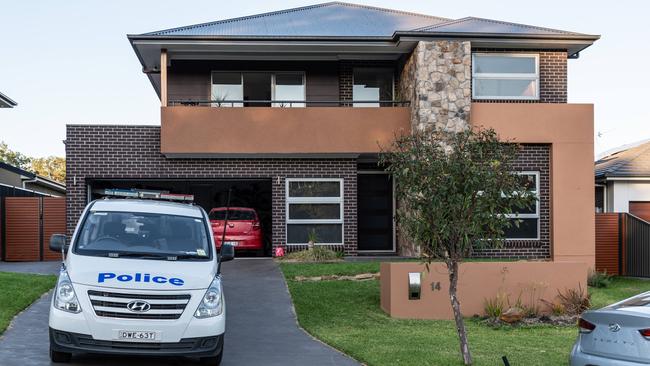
x: 141, y: 277
x: 616, y: 335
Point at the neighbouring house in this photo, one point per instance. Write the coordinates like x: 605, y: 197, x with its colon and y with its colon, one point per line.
x: 622, y: 201
x: 6, y: 102
x: 288, y: 111
x: 623, y: 181
x: 17, y: 182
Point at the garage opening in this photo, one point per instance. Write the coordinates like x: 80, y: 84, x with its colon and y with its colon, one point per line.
x: 209, y: 194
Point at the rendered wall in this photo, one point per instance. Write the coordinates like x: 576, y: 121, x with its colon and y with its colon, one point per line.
x: 478, y: 281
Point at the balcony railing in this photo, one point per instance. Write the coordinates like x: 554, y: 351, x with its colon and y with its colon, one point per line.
x: 289, y: 103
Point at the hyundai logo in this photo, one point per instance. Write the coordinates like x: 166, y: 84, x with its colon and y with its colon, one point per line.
x: 138, y: 306
x: 614, y: 327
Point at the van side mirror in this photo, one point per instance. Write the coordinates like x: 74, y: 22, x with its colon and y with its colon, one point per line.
x: 57, y: 242
x: 227, y: 252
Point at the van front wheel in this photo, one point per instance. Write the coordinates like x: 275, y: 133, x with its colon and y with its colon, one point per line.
x: 59, y: 357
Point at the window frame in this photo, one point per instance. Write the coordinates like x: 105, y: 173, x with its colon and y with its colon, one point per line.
x: 535, y: 215
x: 505, y: 76
x: 392, y: 84
x: 315, y: 200
x: 302, y: 103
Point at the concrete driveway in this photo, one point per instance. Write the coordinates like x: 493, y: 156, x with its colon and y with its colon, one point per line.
x: 261, y: 327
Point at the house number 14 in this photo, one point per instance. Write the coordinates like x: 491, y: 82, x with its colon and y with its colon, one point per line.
x: 435, y: 286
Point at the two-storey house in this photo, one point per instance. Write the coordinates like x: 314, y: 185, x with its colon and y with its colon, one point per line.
x: 288, y: 111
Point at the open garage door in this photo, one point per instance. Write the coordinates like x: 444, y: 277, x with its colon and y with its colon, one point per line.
x: 209, y: 194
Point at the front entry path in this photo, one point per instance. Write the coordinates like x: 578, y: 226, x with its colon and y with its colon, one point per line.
x: 261, y: 327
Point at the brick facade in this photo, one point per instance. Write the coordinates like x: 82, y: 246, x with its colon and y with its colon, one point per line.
x: 552, y: 77
x: 128, y: 152
x: 123, y: 152
x: 532, y: 157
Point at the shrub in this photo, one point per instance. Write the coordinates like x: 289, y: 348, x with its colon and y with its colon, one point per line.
x: 599, y: 279
x: 315, y: 254
x: 556, y: 308
x: 574, y: 301
x: 495, y: 306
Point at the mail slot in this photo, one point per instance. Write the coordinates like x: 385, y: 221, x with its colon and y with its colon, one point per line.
x: 415, y: 285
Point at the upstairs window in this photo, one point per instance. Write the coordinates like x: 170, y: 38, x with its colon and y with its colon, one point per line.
x: 258, y: 89
x: 287, y: 88
x: 505, y: 76
x: 372, y: 84
x: 227, y: 86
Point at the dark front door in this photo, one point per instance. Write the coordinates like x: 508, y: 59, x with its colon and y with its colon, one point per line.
x: 375, y: 212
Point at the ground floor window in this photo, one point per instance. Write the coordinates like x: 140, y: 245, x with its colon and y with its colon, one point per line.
x: 528, y: 219
x: 314, y: 205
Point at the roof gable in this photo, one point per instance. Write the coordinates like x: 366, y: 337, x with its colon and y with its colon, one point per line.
x: 333, y: 19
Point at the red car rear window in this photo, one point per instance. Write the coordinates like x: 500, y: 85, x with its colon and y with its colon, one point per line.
x: 233, y: 215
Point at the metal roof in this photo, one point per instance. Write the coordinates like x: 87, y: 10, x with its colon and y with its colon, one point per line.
x: 632, y: 162
x: 339, y: 19
x: 6, y: 102
x: 482, y: 25
x: 333, y: 19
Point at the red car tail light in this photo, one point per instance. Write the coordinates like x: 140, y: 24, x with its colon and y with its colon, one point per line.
x: 645, y: 333
x: 585, y: 326
x: 256, y: 225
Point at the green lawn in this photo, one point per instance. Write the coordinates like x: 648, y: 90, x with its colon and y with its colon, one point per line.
x: 346, y: 315
x: 620, y: 289
x: 17, y: 291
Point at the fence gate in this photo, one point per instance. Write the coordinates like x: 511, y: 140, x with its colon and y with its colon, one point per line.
x: 608, y: 243
x: 26, y: 224
x: 637, y: 238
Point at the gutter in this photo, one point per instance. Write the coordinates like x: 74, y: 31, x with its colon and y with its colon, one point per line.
x: 394, y: 37
x: 619, y: 179
x: 56, y: 186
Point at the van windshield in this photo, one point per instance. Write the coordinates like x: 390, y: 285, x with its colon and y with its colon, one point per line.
x: 143, y: 235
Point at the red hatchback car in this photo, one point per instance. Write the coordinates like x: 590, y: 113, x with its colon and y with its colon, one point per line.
x: 244, y: 231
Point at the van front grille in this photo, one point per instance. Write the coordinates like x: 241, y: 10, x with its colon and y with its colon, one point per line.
x: 114, y: 305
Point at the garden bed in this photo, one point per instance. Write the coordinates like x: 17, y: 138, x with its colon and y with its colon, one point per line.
x: 346, y: 315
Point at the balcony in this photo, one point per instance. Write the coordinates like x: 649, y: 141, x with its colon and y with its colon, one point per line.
x: 213, y: 129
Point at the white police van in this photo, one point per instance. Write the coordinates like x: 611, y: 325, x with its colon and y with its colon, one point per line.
x: 141, y: 277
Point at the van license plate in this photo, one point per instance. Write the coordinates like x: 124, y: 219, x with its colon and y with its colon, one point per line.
x: 137, y: 335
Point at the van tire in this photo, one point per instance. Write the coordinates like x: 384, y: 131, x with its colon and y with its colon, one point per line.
x: 214, y: 360
x: 59, y: 357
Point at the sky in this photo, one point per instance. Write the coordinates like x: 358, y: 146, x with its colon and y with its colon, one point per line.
x: 69, y: 62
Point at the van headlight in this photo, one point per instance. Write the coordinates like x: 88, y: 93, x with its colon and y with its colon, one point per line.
x: 64, y: 296
x: 212, y: 302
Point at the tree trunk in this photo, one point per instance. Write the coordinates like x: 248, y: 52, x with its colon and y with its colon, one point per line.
x: 452, y: 266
